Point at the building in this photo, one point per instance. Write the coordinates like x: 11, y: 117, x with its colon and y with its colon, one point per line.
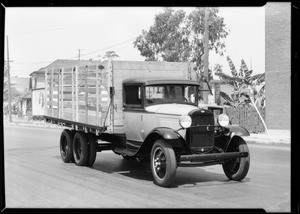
x: 20, y: 95
x: 37, y: 84
x: 215, y: 98
x: 278, y: 66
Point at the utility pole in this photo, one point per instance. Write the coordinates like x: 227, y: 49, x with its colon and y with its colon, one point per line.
x: 8, y: 77
x: 79, y: 54
x: 206, y: 50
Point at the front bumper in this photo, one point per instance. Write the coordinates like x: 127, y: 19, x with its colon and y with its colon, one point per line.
x: 216, y: 157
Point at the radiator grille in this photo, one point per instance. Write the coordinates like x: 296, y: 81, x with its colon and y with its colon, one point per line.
x: 203, y: 135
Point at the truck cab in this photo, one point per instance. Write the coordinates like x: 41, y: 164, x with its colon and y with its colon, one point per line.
x: 162, y: 113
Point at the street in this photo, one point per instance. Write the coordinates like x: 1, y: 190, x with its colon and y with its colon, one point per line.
x: 36, y: 177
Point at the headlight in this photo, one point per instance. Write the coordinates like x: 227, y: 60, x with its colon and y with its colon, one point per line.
x: 185, y: 121
x: 223, y: 120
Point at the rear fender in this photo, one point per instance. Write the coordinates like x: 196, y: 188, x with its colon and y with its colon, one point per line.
x: 168, y: 134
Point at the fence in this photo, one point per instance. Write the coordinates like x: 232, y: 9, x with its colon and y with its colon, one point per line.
x: 247, y: 117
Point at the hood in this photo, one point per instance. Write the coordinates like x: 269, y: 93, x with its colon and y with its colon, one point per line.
x: 171, y: 109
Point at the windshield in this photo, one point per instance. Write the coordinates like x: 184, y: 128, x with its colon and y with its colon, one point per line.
x: 160, y: 94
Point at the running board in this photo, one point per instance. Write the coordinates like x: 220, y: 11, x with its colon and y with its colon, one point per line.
x: 199, y: 164
x: 125, y: 152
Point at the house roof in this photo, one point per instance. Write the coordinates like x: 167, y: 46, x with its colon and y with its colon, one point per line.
x: 62, y: 63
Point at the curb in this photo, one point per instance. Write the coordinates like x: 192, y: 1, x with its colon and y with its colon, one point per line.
x: 272, y: 141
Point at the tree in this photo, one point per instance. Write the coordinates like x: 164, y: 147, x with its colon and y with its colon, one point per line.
x: 110, y: 55
x: 14, y: 93
x: 177, y: 37
x: 243, y: 84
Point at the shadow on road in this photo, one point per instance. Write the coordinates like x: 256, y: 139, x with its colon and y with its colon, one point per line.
x: 129, y: 168
x: 186, y: 177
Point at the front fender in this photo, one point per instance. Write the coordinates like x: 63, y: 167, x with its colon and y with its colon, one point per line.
x: 236, y: 130
x: 168, y: 134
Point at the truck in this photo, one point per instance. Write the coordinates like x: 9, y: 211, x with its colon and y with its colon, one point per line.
x: 142, y: 110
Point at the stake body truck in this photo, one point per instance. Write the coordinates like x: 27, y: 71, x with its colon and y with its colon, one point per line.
x: 141, y: 110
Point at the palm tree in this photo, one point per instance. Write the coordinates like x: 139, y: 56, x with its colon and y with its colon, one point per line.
x: 243, y: 84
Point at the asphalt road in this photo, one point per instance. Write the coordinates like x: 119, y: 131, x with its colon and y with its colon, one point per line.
x: 36, y: 177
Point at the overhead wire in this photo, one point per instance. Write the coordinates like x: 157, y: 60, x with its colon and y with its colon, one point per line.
x: 72, y: 26
x: 70, y: 58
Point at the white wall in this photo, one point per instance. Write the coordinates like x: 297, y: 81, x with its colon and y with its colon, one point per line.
x: 38, y: 102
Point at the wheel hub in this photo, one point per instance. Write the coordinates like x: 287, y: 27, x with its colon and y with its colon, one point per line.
x: 159, y: 163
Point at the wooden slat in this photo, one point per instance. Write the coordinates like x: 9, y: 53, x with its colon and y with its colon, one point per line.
x: 52, y: 103
x: 52, y: 113
x: 67, y: 105
x: 76, y: 93
x: 73, y: 96
x: 59, y: 91
x: 89, y: 90
x: 46, y: 89
x: 86, y: 97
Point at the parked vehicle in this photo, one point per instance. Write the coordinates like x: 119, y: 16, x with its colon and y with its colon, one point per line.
x: 142, y: 110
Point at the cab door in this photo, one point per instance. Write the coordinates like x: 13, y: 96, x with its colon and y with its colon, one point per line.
x: 133, y: 111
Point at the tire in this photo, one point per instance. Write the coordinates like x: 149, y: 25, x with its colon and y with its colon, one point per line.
x: 66, y: 146
x: 163, y: 163
x: 80, y: 149
x: 93, y: 148
x: 237, y: 169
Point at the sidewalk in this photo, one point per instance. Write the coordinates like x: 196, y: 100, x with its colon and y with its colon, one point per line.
x: 271, y: 139
x: 30, y: 123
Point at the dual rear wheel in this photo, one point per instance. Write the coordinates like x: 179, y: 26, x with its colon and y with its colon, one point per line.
x: 78, y: 147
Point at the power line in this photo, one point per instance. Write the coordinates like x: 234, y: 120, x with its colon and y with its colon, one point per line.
x: 70, y: 58
x: 71, y: 26
x: 127, y: 41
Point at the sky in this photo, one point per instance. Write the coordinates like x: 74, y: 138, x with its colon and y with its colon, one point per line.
x: 39, y: 36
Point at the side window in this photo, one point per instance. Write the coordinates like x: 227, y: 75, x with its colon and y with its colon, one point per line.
x: 133, y: 95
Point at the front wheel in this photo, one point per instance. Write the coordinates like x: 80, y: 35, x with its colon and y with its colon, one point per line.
x: 163, y: 163
x: 93, y: 147
x: 237, y: 168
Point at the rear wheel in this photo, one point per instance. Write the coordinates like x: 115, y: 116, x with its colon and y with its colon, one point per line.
x: 80, y: 149
x: 163, y: 163
x: 66, y: 146
x: 237, y: 168
x: 93, y: 147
